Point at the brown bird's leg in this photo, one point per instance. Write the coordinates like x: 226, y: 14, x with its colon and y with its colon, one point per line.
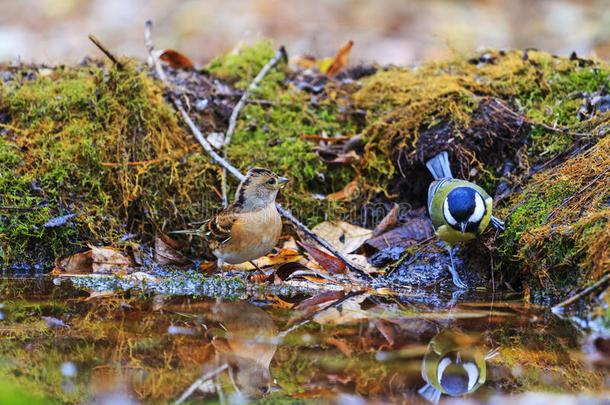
x: 220, y: 264
x: 258, y: 268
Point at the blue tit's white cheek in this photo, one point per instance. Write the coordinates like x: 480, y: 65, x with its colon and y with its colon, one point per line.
x: 447, y: 214
x: 473, y: 374
x: 479, y: 210
x: 442, y: 365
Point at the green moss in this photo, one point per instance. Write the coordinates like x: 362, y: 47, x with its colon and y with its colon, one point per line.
x: 99, y: 143
x: 557, y: 232
x: 241, y: 66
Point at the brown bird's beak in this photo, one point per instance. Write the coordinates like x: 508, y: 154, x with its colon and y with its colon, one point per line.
x: 283, y: 181
x: 463, y: 226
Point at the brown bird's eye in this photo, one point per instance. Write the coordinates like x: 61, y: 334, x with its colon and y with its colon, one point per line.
x: 271, y: 181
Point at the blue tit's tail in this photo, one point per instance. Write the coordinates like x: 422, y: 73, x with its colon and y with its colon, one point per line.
x: 430, y: 393
x: 439, y: 166
x: 497, y: 223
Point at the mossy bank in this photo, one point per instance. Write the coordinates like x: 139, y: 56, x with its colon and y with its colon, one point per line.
x: 94, y: 154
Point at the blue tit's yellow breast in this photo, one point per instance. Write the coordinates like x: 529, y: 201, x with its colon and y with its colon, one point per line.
x: 450, y: 235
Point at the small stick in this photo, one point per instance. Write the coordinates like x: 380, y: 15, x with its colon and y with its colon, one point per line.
x: 13, y: 208
x: 280, y: 54
x: 563, y: 130
x: 200, y: 381
x: 231, y: 169
x: 582, y: 293
x: 106, y: 51
x: 152, y: 60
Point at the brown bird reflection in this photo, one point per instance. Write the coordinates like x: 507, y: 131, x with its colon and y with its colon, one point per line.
x: 244, y: 338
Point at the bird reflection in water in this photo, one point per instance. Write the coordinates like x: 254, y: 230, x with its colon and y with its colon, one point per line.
x: 245, y: 341
x: 454, y: 364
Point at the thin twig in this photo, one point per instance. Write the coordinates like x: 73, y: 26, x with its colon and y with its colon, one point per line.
x: 563, y: 130
x: 13, y: 208
x: 578, y: 192
x: 200, y: 381
x: 106, y: 51
x: 152, y: 59
x: 231, y: 169
x: 280, y: 54
x: 582, y: 293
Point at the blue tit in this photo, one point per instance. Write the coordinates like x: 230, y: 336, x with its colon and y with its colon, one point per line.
x: 453, y: 365
x: 460, y: 210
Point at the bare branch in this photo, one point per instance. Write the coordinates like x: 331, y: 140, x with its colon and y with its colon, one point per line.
x: 280, y: 54
x: 106, y: 51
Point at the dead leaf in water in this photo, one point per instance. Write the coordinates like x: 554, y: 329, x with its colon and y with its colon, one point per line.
x: 320, y: 299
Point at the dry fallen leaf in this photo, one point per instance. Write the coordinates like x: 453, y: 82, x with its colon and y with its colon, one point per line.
x: 176, y: 60
x: 343, y: 236
x: 285, y: 255
x: 406, y: 235
x: 342, y: 158
x: 341, y: 59
x: 388, y: 222
x: 80, y: 263
x: 351, y: 191
x: 165, y: 251
x: 106, y: 259
x: 303, y: 62
x: 328, y: 262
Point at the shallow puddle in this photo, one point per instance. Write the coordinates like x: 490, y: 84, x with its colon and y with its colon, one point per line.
x: 69, y: 345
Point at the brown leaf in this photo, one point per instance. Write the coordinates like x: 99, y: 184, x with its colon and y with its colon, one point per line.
x: 341, y: 59
x: 343, y: 236
x: 388, y: 222
x: 284, y: 255
x: 328, y: 262
x: 320, y: 299
x: 351, y: 191
x: 109, y: 259
x: 165, y: 251
x: 345, y: 158
x: 386, y: 329
x: 176, y: 59
x: 286, y: 269
x: 80, y: 263
x: 413, y: 231
x: 341, y: 345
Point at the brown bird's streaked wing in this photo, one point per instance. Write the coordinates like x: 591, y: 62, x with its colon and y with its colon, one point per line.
x: 218, y: 229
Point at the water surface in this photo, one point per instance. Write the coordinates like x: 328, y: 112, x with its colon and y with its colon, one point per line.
x: 74, y: 345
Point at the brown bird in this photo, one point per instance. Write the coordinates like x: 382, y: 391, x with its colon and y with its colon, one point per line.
x: 251, y: 226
